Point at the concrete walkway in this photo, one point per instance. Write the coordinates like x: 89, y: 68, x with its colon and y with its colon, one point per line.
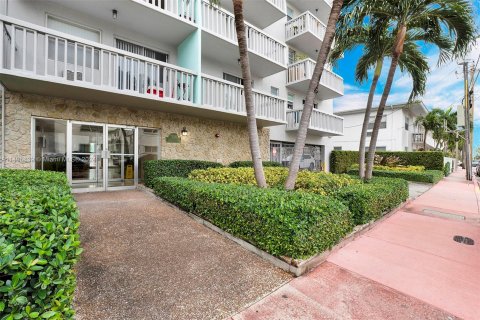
x: 145, y: 260
x: 407, y: 267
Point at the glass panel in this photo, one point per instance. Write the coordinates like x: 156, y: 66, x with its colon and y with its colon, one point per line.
x: 50, y: 145
x: 148, y: 148
x: 121, y: 140
x: 87, y: 164
x: 121, y: 162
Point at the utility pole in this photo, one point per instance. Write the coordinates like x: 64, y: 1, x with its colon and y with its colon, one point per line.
x: 468, y: 159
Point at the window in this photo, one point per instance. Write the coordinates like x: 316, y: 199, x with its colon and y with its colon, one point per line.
x: 407, y: 122
x: 313, y: 157
x: 292, y: 56
x: 73, y: 29
x: 50, y: 147
x: 369, y: 133
x: 315, y: 105
x: 290, y: 99
x: 274, y: 91
x: 232, y: 78
x: 289, y: 13
x: 383, y: 124
x: 381, y: 148
x: 148, y: 148
x: 337, y: 148
x: 141, y: 50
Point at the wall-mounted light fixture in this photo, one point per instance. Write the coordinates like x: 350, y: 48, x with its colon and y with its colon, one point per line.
x: 238, y: 60
x: 184, y: 131
x: 114, y: 14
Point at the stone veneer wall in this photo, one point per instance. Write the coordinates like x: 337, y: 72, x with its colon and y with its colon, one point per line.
x: 200, y: 144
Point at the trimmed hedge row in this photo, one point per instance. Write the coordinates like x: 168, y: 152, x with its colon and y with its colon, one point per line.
x: 317, y: 182
x: 39, y: 245
x: 447, y: 169
x: 341, y: 161
x: 174, y: 168
x: 369, y: 201
x: 293, y: 224
x: 249, y: 164
x: 427, y: 176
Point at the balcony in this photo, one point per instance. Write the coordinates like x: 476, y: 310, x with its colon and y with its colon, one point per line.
x: 51, y: 63
x: 218, y: 93
x: 305, y: 33
x: 260, y: 13
x: 418, y: 138
x: 155, y: 19
x: 219, y: 42
x: 320, y: 8
x: 299, y: 76
x: 322, y: 124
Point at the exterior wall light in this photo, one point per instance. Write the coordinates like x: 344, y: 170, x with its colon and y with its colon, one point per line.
x: 114, y: 14
x: 184, y: 131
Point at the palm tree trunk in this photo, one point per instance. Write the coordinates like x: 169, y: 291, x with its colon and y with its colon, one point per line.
x: 397, y: 51
x: 425, y: 141
x: 311, y: 93
x: 366, y: 119
x: 247, y: 90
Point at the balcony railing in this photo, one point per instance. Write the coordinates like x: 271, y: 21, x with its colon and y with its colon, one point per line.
x: 39, y: 52
x: 303, y: 70
x: 227, y: 96
x: 417, y: 137
x: 280, y: 4
x: 222, y: 24
x: 306, y: 22
x: 319, y: 121
x: 185, y: 9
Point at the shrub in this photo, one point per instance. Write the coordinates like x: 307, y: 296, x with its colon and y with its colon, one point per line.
x: 39, y: 245
x: 317, y: 182
x: 174, y: 168
x: 369, y: 201
x: 249, y: 164
x: 427, y: 176
x: 407, y: 168
x: 446, y: 169
x: 292, y: 224
x: 341, y: 161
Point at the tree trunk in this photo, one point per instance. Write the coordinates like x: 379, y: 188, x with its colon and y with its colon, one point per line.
x: 366, y: 119
x: 397, y: 52
x: 247, y: 91
x: 311, y: 93
x: 425, y: 140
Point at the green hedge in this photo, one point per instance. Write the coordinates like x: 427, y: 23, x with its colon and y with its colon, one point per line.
x: 341, y: 161
x: 427, y: 176
x: 369, y: 201
x: 39, y: 245
x: 174, y: 168
x: 292, y: 224
x: 249, y: 164
x: 447, y: 169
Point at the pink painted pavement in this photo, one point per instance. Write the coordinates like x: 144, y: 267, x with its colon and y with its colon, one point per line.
x: 406, y: 267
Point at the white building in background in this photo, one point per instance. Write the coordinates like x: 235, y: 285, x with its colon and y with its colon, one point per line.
x: 398, y: 131
x: 95, y: 88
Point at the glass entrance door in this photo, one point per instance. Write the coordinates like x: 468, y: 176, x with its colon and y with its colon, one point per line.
x: 101, y: 157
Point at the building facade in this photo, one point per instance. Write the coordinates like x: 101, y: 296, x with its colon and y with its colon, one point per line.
x: 95, y: 88
x: 398, y: 131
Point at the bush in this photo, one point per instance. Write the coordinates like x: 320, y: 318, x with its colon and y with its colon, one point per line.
x: 39, y: 245
x: 446, y: 169
x: 341, y: 161
x: 407, y: 168
x: 427, y: 176
x: 317, y: 182
x: 369, y: 201
x: 174, y: 168
x: 297, y: 225
x: 249, y: 164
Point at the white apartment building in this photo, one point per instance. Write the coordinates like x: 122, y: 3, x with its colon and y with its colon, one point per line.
x: 95, y: 88
x: 398, y: 131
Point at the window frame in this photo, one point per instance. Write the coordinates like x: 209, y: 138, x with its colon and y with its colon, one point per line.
x: 73, y: 23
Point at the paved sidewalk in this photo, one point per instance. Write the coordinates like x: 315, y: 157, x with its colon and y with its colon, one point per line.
x: 407, y: 267
x: 143, y: 260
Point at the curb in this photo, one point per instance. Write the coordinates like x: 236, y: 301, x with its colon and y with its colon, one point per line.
x: 295, y: 267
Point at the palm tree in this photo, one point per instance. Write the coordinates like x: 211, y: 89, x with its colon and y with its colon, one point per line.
x: 377, y: 46
x: 430, y: 123
x: 311, y: 93
x: 247, y: 90
x: 432, y: 21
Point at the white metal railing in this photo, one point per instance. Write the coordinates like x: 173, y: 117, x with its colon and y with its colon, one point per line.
x: 55, y: 56
x: 222, y: 24
x: 227, y: 96
x: 306, y: 22
x: 319, y: 121
x: 280, y: 4
x: 185, y: 9
x: 303, y: 70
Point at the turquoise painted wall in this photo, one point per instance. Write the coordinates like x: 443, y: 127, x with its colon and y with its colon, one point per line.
x: 189, y: 53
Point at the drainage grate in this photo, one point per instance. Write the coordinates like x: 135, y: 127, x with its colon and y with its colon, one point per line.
x: 465, y: 240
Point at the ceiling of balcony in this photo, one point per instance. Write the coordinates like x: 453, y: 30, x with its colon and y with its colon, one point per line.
x: 320, y: 8
x: 260, y: 13
x: 307, y: 43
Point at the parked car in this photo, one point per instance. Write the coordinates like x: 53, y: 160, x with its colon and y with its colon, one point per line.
x: 475, y: 166
x: 306, y: 162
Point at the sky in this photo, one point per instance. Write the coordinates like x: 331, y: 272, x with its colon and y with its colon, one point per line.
x: 444, y: 84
